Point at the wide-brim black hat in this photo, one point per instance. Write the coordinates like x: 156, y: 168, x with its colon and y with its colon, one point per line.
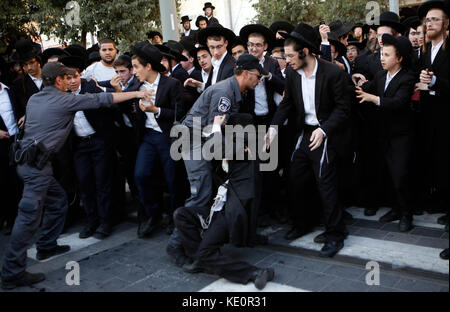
x: 281, y: 25
x: 188, y: 44
x: 94, y: 56
x: 260, y: 29
x: 185, y: 19
x: 200, y: 18
x: 48, y: 53
x: 77, y: 50
x: 279, y: 43
x: 176, y: 49
x: 339, y: 46
x: 208, y: 5
x: 359, y: 45
x: 26, y: 50
x: 411, y: 22
x: 154, y: 33
x: 94, y: 48
x: 390, y: 19
x: 432, y: 4
x: 402, y: 44
x: 306, y: 35
x: 338, y: 28
x: 74, y: 62
x: 149, y: 53
x: 165, y: 51
x: 215, y: 29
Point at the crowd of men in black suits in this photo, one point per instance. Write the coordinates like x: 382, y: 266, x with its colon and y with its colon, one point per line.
x: 358, y: 124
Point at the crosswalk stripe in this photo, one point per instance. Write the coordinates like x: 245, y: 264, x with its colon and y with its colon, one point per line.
x: 222, y: 285
x: 72, y: 240
x: 425, y: 220
x: 400, y: 255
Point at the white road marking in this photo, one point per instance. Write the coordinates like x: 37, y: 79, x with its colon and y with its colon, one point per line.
x: 222, y: 285
x: 400, y: 255
x: 425, y: 220
x: 72, y: 240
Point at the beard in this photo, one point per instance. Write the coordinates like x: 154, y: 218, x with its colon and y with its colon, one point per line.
x: 108, y: 62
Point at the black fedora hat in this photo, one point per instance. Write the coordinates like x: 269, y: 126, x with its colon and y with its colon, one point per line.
x: 260, y: 29
x: 165, y: 51
x: 432, y: 4
x: 176, y: 49
x: 200, y: 18
x: 154, y: 33
x: 26, y: 50
x: 74, y: 62
x: 48, y: 53
x: 339, y: 29
x: 390, y: 19
x: 188, y: 43
x: 359, y: 45
x: 306, y: 35
x: 411, y: 22
x: 281, y: 25
x: 185, y: 19
x: 215, y: 29
x: 339, y: 46
x: 149, y: 53
x: 208, y: 5
x: 402, y: 44
x: 94, y: 56
x: 77, y: 50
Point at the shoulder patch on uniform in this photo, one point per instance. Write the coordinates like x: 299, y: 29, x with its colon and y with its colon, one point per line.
x: 224, y: 104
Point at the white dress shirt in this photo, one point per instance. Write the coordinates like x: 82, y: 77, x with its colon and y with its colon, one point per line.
x: 434, y: 51
x: 81, y: 125
x: 7, y: 112
x: 187, y: 33
x: 261, y: 106
x: 151, y: 122
x: 191, y: 70
x: 216, y: 66
x: 388, y: 81
x: 37, y: 81
x: 308, y: 91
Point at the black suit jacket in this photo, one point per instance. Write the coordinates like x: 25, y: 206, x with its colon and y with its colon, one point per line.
x: 226, y: 69
x: 24, y: 88
x: 18, y: 113
x: 368, y: 65
x: 276, y: 84
x: 193, y: 34
x: 100, y: 119
x: 213, y: 20
x: 395, y: 114
x: 180, y: 73
x: 169, y: 97
x: 332, y: 101
x: 435, y: 108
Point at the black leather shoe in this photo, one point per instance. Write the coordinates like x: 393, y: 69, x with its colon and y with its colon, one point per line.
x: 320, y: 239
x: 26, y: 279
x: 370, y: 211
x: 295, y: 233
x: 443, y: 220
x: 103, y: 231
x: 178, y: 256
x: 262, y: 276
x: 331, y: 248
x: 148, y: 227
x: 392, y: 215
x: 194, y: 267
x: 444, y: 254
x: 88, y: 231
x: 405, y: 224
x: 45, y: 254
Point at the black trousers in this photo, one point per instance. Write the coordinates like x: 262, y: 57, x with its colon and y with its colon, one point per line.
x: 10, y: 191
x: 397, y: 157
x: 304, y: 160
x: 206, y: 250
x: 93, y: 165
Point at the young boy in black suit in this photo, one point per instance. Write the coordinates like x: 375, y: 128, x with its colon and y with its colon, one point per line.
x: 391, y: 91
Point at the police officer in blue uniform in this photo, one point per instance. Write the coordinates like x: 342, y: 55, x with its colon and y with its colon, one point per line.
x: 49, y: 120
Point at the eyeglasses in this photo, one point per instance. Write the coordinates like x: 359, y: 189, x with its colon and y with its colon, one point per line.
x: 433, y: 20
x: 278, y: 57
x: 255, y: 45
x: 257, y: 75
